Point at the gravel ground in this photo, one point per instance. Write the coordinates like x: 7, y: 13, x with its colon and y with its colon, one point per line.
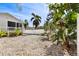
x: 30, y: 45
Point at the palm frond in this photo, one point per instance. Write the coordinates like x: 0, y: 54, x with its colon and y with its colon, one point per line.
x: 33, y: 14
x: 32, y: 18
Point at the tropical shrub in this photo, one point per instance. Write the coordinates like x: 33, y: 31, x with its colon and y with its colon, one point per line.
x: 62, y: 26
x: 3, y: 34
x: 18, y: 32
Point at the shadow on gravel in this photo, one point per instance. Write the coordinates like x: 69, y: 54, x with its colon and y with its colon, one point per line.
x: 73, y: 50
x: 56, y: 50
x: 44, y: 39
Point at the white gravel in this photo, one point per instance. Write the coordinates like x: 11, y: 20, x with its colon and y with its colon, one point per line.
x: 29, y: 45
x: 23, y: 45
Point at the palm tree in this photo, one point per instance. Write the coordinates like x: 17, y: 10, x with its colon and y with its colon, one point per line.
x: 36, y: 20
x: 25, y: 23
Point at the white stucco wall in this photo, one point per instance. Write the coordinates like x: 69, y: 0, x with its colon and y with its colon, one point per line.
x: 3, y: 22
x: 4, y: 18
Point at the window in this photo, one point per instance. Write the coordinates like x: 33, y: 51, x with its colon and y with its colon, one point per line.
x: 11, y: 24
x: 19, y: 25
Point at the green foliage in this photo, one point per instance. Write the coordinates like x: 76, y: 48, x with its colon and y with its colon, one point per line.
x: 36, y: 20
x: 74, y: 7
x: 3, y: 34
x: 18, y: 32
x: 63, y: 24
x: 25, y: 24
x: 46, y: 26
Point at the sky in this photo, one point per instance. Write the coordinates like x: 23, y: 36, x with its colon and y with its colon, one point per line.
x: 24, y: 10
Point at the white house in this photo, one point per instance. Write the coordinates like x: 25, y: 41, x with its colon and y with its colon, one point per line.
x: 9, y: 22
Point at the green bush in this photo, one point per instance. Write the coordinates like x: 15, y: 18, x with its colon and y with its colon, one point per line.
x: 3, y: 34
x: 18, y: 32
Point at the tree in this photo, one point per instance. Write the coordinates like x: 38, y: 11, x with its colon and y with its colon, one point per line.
x: 64, y: 24
x: 36, y: 20
x: 48, y: 26
x: 25, y: 23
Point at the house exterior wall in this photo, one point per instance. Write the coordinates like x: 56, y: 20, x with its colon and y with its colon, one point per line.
x: 3, y: 22
x: 4, y: 18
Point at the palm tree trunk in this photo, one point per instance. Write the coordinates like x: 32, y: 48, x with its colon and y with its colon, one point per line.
x: 36, y: 26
